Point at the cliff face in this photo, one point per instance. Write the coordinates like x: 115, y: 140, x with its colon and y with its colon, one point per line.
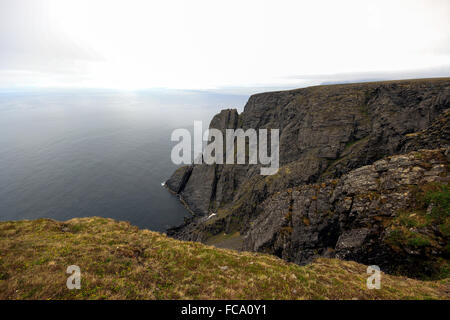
x: 326, y: 134
x: 378, y: 214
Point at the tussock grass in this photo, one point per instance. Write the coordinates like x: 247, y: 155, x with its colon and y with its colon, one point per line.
x: 119, y: 261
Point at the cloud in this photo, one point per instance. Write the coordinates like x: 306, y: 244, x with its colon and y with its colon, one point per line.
x: 31, y: 43
x: 214, y: 44
x: 441, y: 71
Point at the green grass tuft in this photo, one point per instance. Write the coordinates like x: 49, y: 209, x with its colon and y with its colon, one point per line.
x: 119, y: 261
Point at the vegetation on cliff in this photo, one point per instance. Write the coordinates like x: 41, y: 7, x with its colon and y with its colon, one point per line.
x: 353, y: 159
x: 393, y: 213
x: 119, y: 261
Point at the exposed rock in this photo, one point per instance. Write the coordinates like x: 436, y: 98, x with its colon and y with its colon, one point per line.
x: 437, y: 135
x: 353, y: 216
x: 179, y: 178
x: 325, y: 132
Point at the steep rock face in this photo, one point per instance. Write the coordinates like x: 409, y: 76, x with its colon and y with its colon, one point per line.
x: 325, y: 132
x: 119, y: 261
x: 201, y: 186
x: 437, y: 135
x: 354, y: 217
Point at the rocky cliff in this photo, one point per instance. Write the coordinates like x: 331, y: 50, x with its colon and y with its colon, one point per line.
x: 119, y: 261
x: 350, y: 175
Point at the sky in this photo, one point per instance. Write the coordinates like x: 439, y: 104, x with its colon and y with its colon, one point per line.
x: 227, y: 45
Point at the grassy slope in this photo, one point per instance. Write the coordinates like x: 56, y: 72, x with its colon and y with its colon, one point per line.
x: 119, y: 261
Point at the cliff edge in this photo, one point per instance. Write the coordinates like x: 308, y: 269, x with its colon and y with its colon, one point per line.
x: 119, y: 261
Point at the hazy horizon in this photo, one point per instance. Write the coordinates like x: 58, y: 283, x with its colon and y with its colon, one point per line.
x: 233, y: 47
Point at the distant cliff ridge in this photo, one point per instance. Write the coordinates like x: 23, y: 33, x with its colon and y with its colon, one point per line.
x: 352, y: 182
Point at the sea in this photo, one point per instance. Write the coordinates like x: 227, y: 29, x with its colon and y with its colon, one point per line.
x: 95, y: 152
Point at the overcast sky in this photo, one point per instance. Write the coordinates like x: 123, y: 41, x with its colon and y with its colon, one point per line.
x: 219, y: 44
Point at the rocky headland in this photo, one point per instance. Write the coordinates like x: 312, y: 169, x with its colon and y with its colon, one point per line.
x: 363, y: 176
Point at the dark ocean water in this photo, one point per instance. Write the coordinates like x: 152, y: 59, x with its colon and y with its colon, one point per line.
x: 66, y: 154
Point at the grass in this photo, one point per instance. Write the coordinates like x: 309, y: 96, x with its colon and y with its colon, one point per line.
x: 119, y: 261
x: 431, y: 208
x: 438, y: 195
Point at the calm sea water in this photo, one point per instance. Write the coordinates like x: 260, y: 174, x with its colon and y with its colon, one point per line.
x: 66, y: 154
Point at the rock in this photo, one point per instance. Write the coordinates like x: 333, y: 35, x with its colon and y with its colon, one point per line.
x: 179, y: 178
x: 352, y: 224
x: 348, y: 157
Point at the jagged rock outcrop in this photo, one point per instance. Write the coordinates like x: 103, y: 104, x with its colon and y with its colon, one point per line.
x: 355, y: 217
x: 325, y: 132
x: 437, y: 135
